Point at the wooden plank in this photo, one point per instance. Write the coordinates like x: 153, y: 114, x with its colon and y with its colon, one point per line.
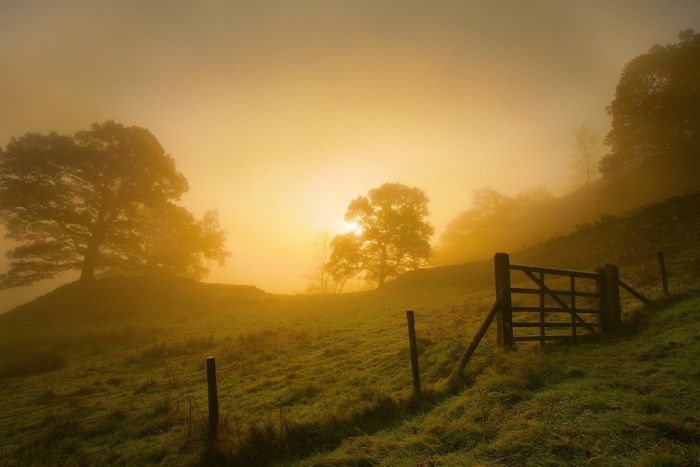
x: 573, y: 307
x: 550, y: 292
x: 612, y: 312
x: 505, y: 317
x: 413, y: 348
x: 212, y: 397
x: 558, y: 300
x: 600, y: 299
x: 561, y: 272
x: 553, y: 325
x: 477, y: 338
x: 537, y: 338
x: 638, y: 295
x: 542, y: 313
x: 550, y: 309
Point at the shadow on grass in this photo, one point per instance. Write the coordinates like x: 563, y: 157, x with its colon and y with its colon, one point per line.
x: 285, y: 440
x: 31, y: 364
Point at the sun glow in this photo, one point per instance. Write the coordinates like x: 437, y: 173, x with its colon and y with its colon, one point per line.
x: 353, y: 227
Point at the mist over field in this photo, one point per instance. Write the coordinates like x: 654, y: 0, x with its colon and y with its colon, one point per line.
x: 349, y: 233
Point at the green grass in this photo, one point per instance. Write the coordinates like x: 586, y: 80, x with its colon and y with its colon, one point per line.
x: 317, y: 361
x: 632, y: 400
x: 325, y: 380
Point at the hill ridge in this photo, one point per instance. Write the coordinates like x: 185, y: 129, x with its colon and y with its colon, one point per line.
x: 121, y: 296
x: 629, y: 239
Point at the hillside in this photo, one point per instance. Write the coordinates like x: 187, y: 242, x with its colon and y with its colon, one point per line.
x: 631, y: 240
x: 326, y: 381
x: 628, y: 401
x: 114, y: 374
x: 123, y: 297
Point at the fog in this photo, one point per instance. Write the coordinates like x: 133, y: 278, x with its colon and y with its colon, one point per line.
x: 280, y: 113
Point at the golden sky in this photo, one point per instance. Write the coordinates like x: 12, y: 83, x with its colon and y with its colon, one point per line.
x: 279, y: 113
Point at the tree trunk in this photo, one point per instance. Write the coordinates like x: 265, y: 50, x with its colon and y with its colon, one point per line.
x: 92, y: 252
x: 87, y: 272
x: 382, y: 268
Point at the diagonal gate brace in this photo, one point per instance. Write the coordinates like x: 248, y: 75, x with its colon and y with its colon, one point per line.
x: 559, y: 301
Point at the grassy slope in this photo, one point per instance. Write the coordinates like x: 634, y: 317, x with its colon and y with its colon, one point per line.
x: 305, y: 355
x: 632, y: 400
x: 325, y: 380
x: 116, y: 372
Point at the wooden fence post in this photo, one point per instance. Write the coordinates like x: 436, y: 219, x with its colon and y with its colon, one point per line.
x: 600, y: 298
x: 475, y: 342
x: 504, y: 321
x: 213, y: 397
x: 664, y: 277
x: 611, y: 310
x: 413, y: 347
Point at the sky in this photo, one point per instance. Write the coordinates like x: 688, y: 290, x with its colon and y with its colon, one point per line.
x: 279, y: 113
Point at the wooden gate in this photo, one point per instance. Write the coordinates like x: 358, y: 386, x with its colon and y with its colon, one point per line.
x: 574, y: 303
x: 601, y: 313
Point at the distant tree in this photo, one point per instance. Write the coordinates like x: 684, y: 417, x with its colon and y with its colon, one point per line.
x: 495, y: 222
x: 655, y: 117
x: 100, y: 200
x: 321, y: 278
x: 345, y: 261
x: 586, y: 156
x: 393, y: 235
x: 489, y: 214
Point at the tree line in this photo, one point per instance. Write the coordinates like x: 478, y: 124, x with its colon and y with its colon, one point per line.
x: 653, y: 152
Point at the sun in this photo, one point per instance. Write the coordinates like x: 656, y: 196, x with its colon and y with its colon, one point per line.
x: 353, y: 227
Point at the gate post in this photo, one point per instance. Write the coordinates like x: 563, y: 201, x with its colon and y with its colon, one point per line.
x: 504, y: 321
x: 611, y: 311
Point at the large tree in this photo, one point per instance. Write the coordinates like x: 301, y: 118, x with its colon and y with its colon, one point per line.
x: 656, y: 115
x: 100, y: 200
x: 391, y: 235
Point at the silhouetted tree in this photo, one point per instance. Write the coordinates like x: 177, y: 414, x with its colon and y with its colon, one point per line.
x: 393, y: 234
x: 655, y: 117
x: 321, y: 278
x: 346, y: 258
x: 99, y: 200
x: 586, y: 156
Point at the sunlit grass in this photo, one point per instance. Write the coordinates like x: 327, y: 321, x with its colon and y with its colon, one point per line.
x: 326, y: 380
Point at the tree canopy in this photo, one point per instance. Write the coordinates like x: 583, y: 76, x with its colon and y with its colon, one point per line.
x: 101, y: 200
x: 392, y: 235
x: 656, y: 113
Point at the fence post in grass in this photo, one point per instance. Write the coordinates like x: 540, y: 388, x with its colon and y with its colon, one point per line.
x: 213, y: 397
x: 601, y: 299
x: 612, y: 310
x: 413, y: 347
x: 504, y: 321
x: 664, y: 277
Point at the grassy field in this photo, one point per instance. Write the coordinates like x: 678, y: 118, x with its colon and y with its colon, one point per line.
x: 115, y: 373
x: 325, y: 380
x: 120, y: 390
